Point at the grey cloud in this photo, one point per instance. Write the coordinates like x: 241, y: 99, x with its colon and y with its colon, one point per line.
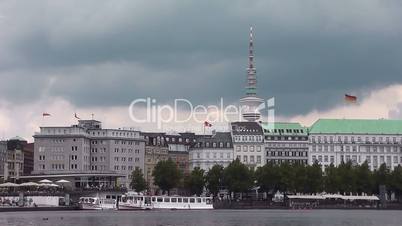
x: 105, y: 53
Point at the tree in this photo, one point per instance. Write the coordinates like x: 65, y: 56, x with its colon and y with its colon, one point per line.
x: 381, y: 177
x: 238, y: 177
x: 287, y: 178
x: 195, y: 182
x: 300, y: 177
x: 166, y: 175
x: 331, y: 179
x: 138, y: 182
x: 347, y: 182
x: 214, y: 179
x: 314, y: 179
x: 267, y: 177
x: 364, y: 179
x: 396, y: 181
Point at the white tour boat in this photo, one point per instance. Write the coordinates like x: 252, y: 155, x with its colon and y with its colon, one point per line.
x: 181, y: 203
x: 97, y: 203
x: 136, y: 201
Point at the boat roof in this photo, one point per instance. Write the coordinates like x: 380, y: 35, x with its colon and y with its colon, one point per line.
x: 336, y: 196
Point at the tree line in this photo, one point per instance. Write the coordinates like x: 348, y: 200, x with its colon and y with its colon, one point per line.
x: 287, y: 178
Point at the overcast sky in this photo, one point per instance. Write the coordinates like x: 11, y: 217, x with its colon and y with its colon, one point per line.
x: 69, y: 56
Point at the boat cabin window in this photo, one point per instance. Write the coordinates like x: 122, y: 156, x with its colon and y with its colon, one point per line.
x: 91, y: 200
x: 108, y: 196
x: 203, y: 199
x: 159, y: 199
x: 173, y: 200
x: 109, y: 201
x: 179, y: 200
x: 209, y: 201
x: 192, y: 200
x: 131, y: 198
x: 166, y: 200
x: 153, y: 199
x: 113, y: 197
x: 124, y: 199
x: 185, y: 199
x: 198, y: 200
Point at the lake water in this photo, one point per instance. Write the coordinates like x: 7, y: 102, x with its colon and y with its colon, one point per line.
x: 208, y: 217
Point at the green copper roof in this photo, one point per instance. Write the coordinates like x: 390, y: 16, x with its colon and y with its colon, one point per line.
x: 284, y: 128
x: 357, y: 126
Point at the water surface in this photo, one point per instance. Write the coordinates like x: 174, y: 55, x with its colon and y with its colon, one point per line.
x: 207, y: 217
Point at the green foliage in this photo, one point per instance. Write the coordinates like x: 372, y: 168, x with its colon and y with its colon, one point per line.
x: 364, y: 179
x: 214, y: 179
x: 138, y: 182
x: 314, y: 179
x: 395, y: 181
x: 166, y: 175
x: 195, y: 182
x: 268, y: 177
x: 331, y: 179
x: 382, y: 175
x: 289, y: 178
x: 238, y: 177
x: 347, y: 177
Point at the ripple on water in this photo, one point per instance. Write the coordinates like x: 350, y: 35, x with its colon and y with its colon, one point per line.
x: 207, y: 218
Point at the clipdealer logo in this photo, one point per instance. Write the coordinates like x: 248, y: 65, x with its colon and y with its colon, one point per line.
x: 147, y: 110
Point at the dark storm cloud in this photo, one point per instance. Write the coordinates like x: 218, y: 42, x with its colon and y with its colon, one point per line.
x: 106, y: 53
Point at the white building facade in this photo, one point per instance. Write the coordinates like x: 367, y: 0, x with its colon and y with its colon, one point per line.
x: 286, y: 142
x: 87, y: 148
x: 333, y: 141
x: 248, y: 143
x: 210, y: 151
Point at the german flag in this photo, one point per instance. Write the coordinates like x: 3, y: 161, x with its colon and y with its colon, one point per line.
x: 350, y: 99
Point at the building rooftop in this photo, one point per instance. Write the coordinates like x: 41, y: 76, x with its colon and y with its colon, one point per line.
x: 219, y: 137
x: 357, y: 126
x: 18, y: 138
x: 247, y: 128
x: 284, y: 128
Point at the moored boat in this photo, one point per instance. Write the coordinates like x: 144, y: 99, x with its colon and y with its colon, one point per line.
x: 181, y: 203
x: 135, y: 201
x: 97, y: 203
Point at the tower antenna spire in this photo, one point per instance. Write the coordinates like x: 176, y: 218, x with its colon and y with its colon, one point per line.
x: 251, y: 88
x: 250, y: 104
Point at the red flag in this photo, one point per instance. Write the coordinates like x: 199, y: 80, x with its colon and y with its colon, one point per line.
x: 207, y: 124
x: 75, y: 115
x: 350, y: 98
x: 45, y: 114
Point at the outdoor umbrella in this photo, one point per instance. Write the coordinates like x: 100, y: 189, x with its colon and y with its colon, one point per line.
x: 8, y: 184
x: 45, y: 181
x: 29, y: 184
x: 62, y: 181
